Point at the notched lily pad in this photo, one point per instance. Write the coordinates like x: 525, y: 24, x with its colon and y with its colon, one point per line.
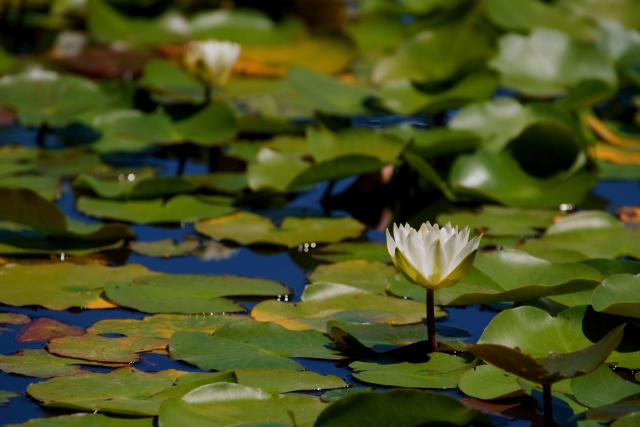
x: 189, y: 293
x: 248, y: 228
x: 249, y: 344
x: 104, y: 349
x: 46, y: 329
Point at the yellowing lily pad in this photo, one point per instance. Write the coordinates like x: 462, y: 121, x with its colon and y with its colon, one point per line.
x: 104, y: 349
x: 189, y: 293
x: 248, y: 228
x: 61, y: 285
x: 179, y: 208
x: 439, y: 371
x: 14, y: 318
x: 162, y: 325
x: 324, y: 302
x: 40, y: 363
x: 6, y: 395
x: 249, y: 344
x: 165, y: 248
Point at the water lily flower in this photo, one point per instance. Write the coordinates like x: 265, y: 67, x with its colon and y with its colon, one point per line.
x: 432, y: 257
x: 211, y: 61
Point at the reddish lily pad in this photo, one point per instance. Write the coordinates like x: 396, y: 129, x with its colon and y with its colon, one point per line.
x: 61, y: 285
x: 46, y: 329
x: 104, y: 349
x: 165, y: 248
x: 248, y: 228
x: 189, y: 293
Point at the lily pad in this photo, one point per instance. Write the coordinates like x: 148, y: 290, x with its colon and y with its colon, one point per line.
x: 398, y: 407
x: 488, y: 382
x: 177, y: 209
x: 14, y: 318
x: 602, y: 387
x: 6, y: 395
x: 161, y: 325
x: 44, y: 328
x: 324, y: 302
x: 369, y: 276
x: 40, y: 363
x: 189, y: 293
x: 86, y: 420
x: 103, y: 349
x: 126, y: 391
x: 352, y: 251
x: 249, y: 344
x: 165, y: 248
x: 61, y: 285
x: 135, y: 186
x: 512, y: 275
x: 222, y: 404
x: 248, y: 228
x: 286, y: 380
x: 440, y: 371
x: 618, y: 295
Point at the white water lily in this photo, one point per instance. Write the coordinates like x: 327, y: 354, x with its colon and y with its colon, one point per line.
x: 211, y: 61
x: 432, y: 257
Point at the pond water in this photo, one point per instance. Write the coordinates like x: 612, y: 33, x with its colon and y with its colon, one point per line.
x: 289, y: 267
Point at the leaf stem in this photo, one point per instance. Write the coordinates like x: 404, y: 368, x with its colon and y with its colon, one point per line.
x: 547, y: 405
x: 431, y: 320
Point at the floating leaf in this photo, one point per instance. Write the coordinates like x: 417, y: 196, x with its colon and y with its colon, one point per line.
x: 135, y: 186
x: 47, y: 97
x: 249, y: 344
x: 602, y: 387
x: 161, y: 325
x: 165, y: 248
x: 398, y: 407
x: 566, y: 63
x: 335, y: 395
x: 248, y: 228
x: 86, y: 420
x: 61, y: 285
x: 181, y: 208
x: 45, y: 329
x: 368, y: 276
x: 324, y: 302
x: 286, y: 380
x: 439, y: 371
x: 46, y: 186
x: 169, y: 81
x: 40, y: 363
x: 487, y: 382
x: 104, y: 349
x: 619, y: 295
x: 189, y: 293
x: 14, y: 318
x: 222, y: 404
x: 511, y: 275
x: 6, y: 395
x: 346, y: 251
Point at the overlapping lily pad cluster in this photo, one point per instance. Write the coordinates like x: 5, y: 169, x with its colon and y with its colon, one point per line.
x: 489, y: 114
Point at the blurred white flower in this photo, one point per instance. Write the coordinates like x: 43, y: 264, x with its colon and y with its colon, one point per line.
x: 211, y: 61
x: 432, y: 257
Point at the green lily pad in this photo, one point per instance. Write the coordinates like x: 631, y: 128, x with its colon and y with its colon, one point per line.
x: 103, y: 349
x: 248, y: 228
x: 629, y: 420
x: 511, y: 275
x: 125, y: 391
x: 14, y: 318
x: 383, y: 338
x: 335, y: 395
x: 602, y: 387
x: 44, y: 328
x: 46, y: 186
x: 619, y: 295
x: 588, y: 234
x: 30, y: 209
x: 567, y: 63
x: 441, y: 371
x: 501, y: 221
x: 368, y: 276
x: 324, y: 302
x: 398, y: 407
x: 543, y: 349
x: 86, y: 420
x: 42, y: 96
x: 180, y: 208
x: 275, y: 171
x: 165, y: 248
x: 40, y: 363
x: 61, y: 285
x: 487, y: 382
x: 346, y: 251
x: 223, y: 404
x: 6, y: 395
x: 135, y: 186
x: 161, y: 325
x: 168, y: 81
x: 189, y: 293
x: 249, y: 344
x: 286, y: 380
